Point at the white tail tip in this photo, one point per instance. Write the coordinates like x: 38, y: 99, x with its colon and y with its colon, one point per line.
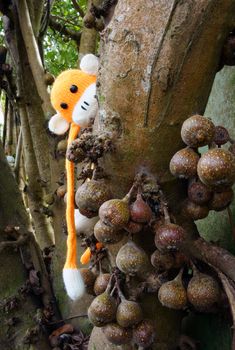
x: 74, y: 283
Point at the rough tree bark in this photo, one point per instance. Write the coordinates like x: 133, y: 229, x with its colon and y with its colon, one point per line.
x: 16, y: 310
x: 158, y: 63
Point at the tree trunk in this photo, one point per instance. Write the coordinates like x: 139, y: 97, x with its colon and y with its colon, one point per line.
x: 156, y: 72
x: 17, y: 309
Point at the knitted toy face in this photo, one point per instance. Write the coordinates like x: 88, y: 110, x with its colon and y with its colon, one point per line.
x: 73, y: 96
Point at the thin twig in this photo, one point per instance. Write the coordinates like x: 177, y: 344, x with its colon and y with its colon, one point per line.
x: 66, y: 319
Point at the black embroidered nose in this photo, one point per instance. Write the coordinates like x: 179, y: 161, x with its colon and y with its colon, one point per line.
x: 64, y: 105
x: 73, y: 88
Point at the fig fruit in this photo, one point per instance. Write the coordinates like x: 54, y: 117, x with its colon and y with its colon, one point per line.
x: 132, y: 260
x: 107, y: 234
x: 129, y: 313
x: 197, y: 131
x: 115, y: 213
x: 91, y: 195
x: 216, y: 168
x: 102, y: 310
x: 183, y: 164
x: 116, y: 334
x: 169, y: 237
x: 173, y: 294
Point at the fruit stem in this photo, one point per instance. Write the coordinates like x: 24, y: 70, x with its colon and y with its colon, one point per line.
x: 164, y: 206
x: 178, y: 278
x: 120, y: 294
x: 109, y: 286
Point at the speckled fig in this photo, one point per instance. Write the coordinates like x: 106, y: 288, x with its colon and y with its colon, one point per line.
x: 221, y: 135
x: 144, y: 334
x: 199, y: 193
x: 61, y: 147
x: 91, y: 195
x: 106, y: 234
x: 89, y: 279
x: 195, y: 211
x: 132, y: 260
x: 216, y: 168
x: 172, y: 294
x: 116, y: 334
x: 101, y: 283
x: 133, y: 227
x: 197, y: 131
x: 102, y: 310
x: 221, y: 200
x: 203, y: 292
x: 129, y: 313
x: 169, y: 236
x: 183, y: 164
x: 162, y: 261
x: 140, y: 210
x: 115, y: 213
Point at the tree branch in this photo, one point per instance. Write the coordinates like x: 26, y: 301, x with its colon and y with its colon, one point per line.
x: 212, y: 255
x: 18, y: 156
x: 33, y: 55
x: 61, y: 28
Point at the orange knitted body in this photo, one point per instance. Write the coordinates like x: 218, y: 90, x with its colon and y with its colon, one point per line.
x: 73, y: 97
x: 71, y: 259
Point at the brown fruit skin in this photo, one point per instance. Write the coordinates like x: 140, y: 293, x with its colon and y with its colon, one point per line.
x: 115, y: 212
x: 62, y: 147
x: 221, y: 135
x: 106, y: 234
x: 90, y: 196
x: 129, y: 313
x: 140, y: 211
x: 101, y: 283
x: 88, y: 278
x: 132, y: 260
x: 61, y: 191
x: 102, y: 310
x: 183, y: 164
x: 197, y: 131
x: 144, y: 334
x: 195, y: 211
x: 221, y: 200
x: 116, y: 334
x: 199, y: 193
x: 169, y: 236
x: 203, y: 292
x: 162, y: 261
x: 173, y: 295
x: 216, y: 168
x: 133, y: 227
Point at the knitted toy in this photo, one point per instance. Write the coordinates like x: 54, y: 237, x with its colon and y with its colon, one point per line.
x: 73, y: 96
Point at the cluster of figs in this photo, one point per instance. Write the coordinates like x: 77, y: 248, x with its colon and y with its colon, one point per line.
x: 122, y: 222
x: 210, y: 174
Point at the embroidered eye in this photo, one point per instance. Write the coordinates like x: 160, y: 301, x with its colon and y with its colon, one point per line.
x: 64, y: 105
x: 73, y: 88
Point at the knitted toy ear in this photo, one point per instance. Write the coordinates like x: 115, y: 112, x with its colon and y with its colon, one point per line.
x: 58, y: 125
x: 89, y: 64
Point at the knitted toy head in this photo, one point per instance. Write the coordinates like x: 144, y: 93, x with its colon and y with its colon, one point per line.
x: 73, y: 96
